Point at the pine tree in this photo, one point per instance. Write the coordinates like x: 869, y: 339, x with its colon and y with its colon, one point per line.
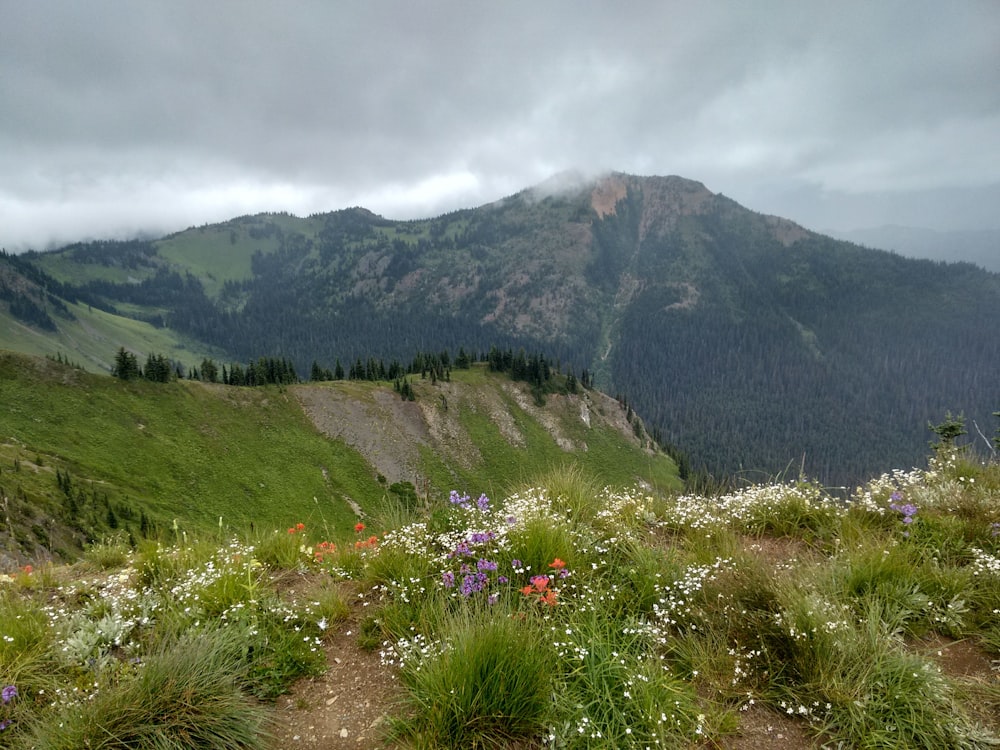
x: 209, y: 371
x: 126, y: 365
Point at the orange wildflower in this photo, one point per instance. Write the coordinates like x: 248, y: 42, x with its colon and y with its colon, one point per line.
x: 323, y: 549
x: 557, y: 564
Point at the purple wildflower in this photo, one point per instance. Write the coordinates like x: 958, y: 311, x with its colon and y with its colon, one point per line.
x: 907, y: 510
x: 448, y: 579
x: 483, y: 503
x: 9, y: 693
x: 473, y: 583
x: 486, y: 565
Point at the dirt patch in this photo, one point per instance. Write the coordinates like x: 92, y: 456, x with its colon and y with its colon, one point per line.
x: 761, y: 728
x: 958, y: 659
x: 780, y: 552
x: 346, y: 707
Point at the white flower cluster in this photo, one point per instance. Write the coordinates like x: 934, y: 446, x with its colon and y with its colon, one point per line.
x: 874, y: 496
x: 414, y: 651
x: 984, y: 563
x: 745, y: 508
x: 675, y: 607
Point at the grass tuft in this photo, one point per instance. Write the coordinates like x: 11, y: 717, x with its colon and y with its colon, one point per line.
x: 185, y: 695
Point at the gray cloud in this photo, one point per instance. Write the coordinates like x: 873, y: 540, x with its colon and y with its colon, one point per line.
x: 119, y: 117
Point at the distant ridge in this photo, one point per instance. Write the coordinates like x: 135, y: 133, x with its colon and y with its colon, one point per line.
x: 980, y: 247
x: 750, y: 342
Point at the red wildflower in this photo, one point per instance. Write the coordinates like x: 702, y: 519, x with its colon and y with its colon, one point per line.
x: 300, y: 526
x: 359, y: 527
x: 540, y: 582
x: 549, y: 597
x: 557, y: 564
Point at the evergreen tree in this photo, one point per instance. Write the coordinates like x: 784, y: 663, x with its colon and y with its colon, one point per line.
x: 209, y: 371
x: 126, y: 365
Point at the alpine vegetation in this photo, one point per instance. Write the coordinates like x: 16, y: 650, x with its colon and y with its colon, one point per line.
x: 564, y: 615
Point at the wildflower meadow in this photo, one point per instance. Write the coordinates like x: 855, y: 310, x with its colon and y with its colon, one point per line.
x: 562, y: 615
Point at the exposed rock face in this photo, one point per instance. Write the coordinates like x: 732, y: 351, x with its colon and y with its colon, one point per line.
x: 390, y: 433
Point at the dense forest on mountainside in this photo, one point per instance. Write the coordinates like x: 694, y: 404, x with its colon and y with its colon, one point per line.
x: 745, y: 339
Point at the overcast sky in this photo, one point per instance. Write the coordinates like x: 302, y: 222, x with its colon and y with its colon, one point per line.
x: 123, y: 117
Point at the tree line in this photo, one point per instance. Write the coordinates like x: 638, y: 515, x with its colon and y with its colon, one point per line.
x: 540, y: 372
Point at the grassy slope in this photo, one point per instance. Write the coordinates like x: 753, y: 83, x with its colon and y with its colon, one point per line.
x: 195, y: 451
x: 184, y: 450
x: 608, y: 455
x: 93, y: 338
x: 221, y: 252
x: 215, y: 254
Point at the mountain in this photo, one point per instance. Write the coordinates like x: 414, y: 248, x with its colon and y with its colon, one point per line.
x: 750, y: 342
x: 980, y: 247
x: 82, y: 454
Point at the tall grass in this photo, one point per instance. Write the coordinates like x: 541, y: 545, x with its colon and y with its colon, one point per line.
x: 487, y: 686
x: 185, y: 695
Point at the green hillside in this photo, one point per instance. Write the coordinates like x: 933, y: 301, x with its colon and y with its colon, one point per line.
x: 139, y: 455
